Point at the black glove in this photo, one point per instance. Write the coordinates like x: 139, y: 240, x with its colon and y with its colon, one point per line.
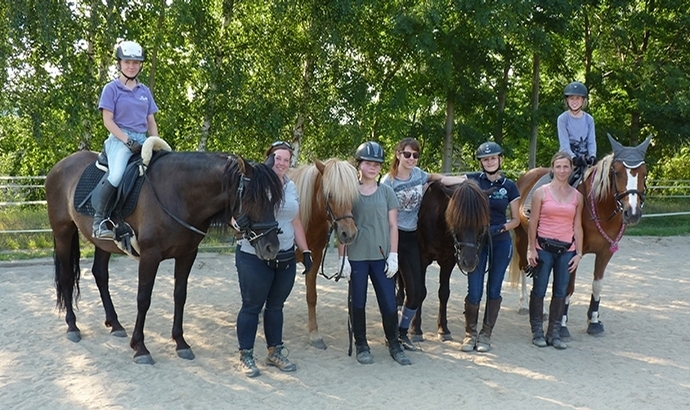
x: 580, y: 161
x: 496, y: 229
x: 532, y: 271
x: 133, y: 146
x: 270, y: 160
x: 592, y: 161
x: 306, y: 261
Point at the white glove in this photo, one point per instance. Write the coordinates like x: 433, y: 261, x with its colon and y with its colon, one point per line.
x: 392, y: 263
x: 347, y: 269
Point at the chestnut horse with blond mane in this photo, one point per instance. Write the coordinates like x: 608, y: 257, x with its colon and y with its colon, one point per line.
x: 613, y: 191
x: 327, y: 192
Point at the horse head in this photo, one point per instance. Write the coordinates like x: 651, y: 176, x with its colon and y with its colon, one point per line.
x: 340, y: 186
x: 258, y: 195
x: 467, y: 217
x: 629, y: 174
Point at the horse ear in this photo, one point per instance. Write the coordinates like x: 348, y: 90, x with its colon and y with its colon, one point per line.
x: 642, y: 148
x: 245, y: 167
x: 617, y: 146
x: 319, y: 165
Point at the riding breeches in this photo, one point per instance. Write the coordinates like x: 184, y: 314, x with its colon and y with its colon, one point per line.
x: 118, y: 155
x: 410, y: 268
x: 383, y: 286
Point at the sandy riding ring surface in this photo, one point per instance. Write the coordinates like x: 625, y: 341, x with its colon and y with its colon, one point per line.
x: 642, y: 362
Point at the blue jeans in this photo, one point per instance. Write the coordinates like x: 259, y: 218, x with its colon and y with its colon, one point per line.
x: 118, y: 155
x: 500, y: 258
x: 383, y: 286
x: 261, y: 285
x: 561, y: 276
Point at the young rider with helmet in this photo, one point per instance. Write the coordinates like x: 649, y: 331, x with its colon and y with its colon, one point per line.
x: 373, y: 254
x: 128, y: 109
x: 576, y: 130
x: 503, y: 195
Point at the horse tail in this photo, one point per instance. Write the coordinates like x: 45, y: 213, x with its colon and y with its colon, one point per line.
x: 74, y: 256
x: 514, y: 271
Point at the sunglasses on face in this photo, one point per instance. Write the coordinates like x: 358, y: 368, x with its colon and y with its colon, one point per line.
x: 408, y: 154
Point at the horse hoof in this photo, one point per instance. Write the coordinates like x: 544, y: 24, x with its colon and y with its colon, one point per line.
x: 595, y: 329
x: 565, y: 334
x: 143, y: 359
x: 119, y: 333
x: 445, y: 337
x: 523, y: 311
x: 417, y: 338
x: 319, y: 344
x: 186, y: 354
x: 74, y: 336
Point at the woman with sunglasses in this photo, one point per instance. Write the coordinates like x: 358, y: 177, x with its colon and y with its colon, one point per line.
x: 265, y: 285
x: 408, y: 182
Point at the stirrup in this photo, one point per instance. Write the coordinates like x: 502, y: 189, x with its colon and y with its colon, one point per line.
x: 102, y: 232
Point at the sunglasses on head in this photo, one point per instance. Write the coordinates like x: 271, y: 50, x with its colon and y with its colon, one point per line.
x: 282, y: 143
x: 408, y: 154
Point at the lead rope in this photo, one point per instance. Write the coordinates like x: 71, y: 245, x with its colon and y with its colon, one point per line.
x: 613, y: 242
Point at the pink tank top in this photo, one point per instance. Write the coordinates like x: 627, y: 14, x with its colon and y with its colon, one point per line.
x: 556, y: 220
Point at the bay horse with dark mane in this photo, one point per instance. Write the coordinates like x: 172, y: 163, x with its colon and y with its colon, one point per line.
x: 185, y: 193
x: 327, y: 191
x: 613, y: 192
x: 453, y: 222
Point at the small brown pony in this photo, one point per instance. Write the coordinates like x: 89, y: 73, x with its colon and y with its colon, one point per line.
x: 190, y: 188
x: 453, y: 222
x: 327, y: 191
x: 613, y: 192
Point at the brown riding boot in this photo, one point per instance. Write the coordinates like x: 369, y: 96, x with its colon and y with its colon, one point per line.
x: 536, y: 319
x: 553, y: 333
x: 490, y: 316
x: 471, y: 316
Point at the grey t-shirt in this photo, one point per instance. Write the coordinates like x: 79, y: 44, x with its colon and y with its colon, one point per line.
x: 373, y: 232
x: 409, y: 192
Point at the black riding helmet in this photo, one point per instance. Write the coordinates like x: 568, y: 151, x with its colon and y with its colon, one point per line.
x: 575, y: 88
x: 370, y: 151
x: 488, y: 149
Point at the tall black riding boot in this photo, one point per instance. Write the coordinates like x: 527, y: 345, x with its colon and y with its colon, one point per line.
x: 493, y: 306
x: 390, y: 328
x: 553, y: 333
x: 536, y: 319
x: 359, y: 331
x: 103, y: 206
x: 471, y: 317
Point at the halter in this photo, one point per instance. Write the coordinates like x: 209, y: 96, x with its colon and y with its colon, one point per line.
x: 333, y: 222
x: 459, y: 245
x: 619, y: 207
x: 247, y: 227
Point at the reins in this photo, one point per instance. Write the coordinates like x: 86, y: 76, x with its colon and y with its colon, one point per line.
x: 333, y: 221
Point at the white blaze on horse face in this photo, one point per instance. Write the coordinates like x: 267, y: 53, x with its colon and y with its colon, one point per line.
x: 632, y: 187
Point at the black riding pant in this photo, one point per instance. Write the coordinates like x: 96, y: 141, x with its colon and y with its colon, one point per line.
x: 410, y: 268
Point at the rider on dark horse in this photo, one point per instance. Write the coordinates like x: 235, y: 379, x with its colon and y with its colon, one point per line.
x: 128, y: 108
x: 576, y: 131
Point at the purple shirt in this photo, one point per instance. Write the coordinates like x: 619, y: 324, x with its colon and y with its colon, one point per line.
x: 129, y: 107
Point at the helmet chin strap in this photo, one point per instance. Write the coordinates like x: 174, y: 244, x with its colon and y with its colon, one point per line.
x: 491, y: 172
x: 126, y: 76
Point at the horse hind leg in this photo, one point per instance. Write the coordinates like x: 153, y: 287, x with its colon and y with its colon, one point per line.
x: 101, y: 276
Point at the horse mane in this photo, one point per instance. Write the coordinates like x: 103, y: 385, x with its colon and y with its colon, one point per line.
x: 305, y: 178
x: 468, y: 207
x: 601, y: 186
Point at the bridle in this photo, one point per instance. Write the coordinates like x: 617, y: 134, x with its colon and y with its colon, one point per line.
x: 333, y: 222
x: 458, y: 245
x: 249, y: 229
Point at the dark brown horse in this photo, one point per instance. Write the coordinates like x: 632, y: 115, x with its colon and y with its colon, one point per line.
x: 185, y: 188
x: 613, y: 192
x: 327, y: 191
x: 453, y: 222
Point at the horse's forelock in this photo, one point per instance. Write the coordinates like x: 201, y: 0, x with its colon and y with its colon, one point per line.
x: 262, y: 179
x: 468, y: 208
x: 340, y: 183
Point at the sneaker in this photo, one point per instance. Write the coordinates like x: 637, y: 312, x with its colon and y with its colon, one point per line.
x: 247, y: 363
x: 277, y: 359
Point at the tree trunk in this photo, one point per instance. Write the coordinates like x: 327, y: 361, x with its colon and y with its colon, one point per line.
x: 447, y: 159
x: 535, y: 108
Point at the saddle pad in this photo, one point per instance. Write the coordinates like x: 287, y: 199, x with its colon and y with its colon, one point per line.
x: 527, y: 205
x: 88, y: 181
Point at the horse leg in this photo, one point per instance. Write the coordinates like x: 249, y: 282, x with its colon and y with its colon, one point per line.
x: 315, y: 338
x: 148, y: 266
x: 524, y: 296
x: 67, y: 274
x: 564, y: 332
x: 100, y: 274
x: 183, y: 265
x: 443, y: 296
x: 595, y: 327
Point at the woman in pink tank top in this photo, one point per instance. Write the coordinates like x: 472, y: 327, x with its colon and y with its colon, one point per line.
x: 555, y: 243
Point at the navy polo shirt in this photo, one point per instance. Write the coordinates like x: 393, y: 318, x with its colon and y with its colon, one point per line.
x: 499, y: 201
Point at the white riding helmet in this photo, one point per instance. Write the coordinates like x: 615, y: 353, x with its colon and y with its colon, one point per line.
x: 129, y: 50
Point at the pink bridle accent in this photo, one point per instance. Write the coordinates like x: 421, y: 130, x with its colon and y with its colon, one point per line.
x: 614, y: 242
